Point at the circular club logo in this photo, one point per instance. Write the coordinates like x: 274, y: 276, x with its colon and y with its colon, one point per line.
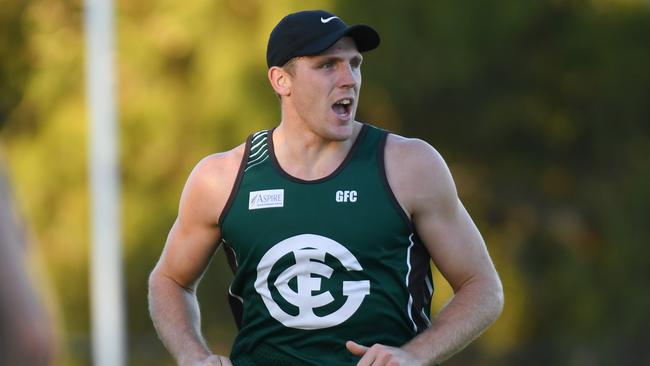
x: 309, y: 252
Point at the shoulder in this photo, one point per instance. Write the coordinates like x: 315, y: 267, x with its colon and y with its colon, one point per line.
x: 418, y: 174
x: 414, y: 157
x: 418, y: 152
x: 209, y: 185
x: 218, y: 166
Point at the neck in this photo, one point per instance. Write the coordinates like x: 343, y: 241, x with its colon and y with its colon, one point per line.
x: 307, y: 155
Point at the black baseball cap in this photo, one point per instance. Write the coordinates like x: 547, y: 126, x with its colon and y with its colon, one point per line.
x: 311, y: 32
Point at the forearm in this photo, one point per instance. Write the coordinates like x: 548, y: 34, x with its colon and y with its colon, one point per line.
x: 176, y: 317
x: 471, y: 311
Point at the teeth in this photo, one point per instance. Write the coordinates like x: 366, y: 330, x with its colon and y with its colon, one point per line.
x: 344, y: 101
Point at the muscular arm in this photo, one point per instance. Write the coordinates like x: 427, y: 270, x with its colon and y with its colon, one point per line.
x: 457, y: 249
x: 190, y: 245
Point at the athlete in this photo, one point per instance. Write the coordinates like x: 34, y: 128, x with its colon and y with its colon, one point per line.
x: 329, y: 225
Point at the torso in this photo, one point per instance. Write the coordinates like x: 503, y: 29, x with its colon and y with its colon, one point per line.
x: 319, y: 262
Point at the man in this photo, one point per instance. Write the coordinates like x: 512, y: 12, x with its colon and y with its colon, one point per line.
x: 329, y: 225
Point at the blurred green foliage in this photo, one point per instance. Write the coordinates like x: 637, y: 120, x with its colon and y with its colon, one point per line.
x: 541, y: 108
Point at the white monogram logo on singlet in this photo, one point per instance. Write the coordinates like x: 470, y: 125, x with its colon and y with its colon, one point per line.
x: 309, y: 251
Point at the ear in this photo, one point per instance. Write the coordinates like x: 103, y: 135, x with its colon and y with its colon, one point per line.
x: 280, y: 81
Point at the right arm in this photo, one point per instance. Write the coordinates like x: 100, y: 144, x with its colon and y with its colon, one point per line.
x: 192, y: 241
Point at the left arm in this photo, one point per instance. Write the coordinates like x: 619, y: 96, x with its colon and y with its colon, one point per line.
x: 457, y: 249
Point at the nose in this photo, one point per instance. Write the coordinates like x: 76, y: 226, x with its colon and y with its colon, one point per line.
x: 349, y: 77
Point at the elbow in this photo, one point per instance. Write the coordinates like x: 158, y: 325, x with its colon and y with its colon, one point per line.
x: 154, y: 285
x: 500, y: 304
x: 153, y: 278
x: 161, y: 281
x: 152, y: 282
x: 157, y: 279
x: 498, y: 299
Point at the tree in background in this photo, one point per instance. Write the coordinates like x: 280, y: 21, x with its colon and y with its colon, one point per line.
x: 540, y: 108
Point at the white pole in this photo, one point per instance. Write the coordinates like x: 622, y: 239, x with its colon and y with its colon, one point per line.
x: 106, y: 288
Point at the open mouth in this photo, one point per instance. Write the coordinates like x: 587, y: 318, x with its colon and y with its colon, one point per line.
x: 343, y: 108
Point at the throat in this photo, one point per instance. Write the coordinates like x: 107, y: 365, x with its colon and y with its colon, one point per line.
x: 308, y: 161
x: 312, y: 163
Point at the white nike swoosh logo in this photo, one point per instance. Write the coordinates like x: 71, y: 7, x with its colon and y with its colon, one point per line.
x: 326, y: 20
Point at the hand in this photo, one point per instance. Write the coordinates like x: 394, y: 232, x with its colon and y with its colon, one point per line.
x: 214, y: 360
x: 381, y: 355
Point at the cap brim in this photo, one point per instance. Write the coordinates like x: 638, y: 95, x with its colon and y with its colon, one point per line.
x: 364, y: 37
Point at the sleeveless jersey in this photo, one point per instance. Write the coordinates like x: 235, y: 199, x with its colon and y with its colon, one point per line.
x: 320, y: 262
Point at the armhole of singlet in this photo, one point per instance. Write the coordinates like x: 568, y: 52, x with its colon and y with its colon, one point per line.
x: 381, y: 156
x: 235, y: 186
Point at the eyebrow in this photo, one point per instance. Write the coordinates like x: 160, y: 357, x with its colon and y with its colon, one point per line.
x: 323, y: 58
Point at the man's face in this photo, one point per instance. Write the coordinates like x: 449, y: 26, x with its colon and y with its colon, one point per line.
x: 325, y: 89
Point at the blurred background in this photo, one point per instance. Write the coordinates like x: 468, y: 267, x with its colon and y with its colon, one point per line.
x: 541, y: 109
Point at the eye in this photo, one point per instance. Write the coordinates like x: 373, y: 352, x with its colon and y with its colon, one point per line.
x: 356, y: 63
x: 327, y: 65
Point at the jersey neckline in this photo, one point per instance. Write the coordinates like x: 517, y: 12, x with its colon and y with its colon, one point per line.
x: 344, y: 163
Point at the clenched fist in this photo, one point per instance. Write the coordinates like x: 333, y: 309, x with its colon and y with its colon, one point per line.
x: 381, y: 355
x: 214, y: 360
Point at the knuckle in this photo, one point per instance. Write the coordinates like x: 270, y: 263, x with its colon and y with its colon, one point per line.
x: 385, y: 356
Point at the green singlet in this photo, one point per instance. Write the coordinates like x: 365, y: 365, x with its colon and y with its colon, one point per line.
x: 317, y: 263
